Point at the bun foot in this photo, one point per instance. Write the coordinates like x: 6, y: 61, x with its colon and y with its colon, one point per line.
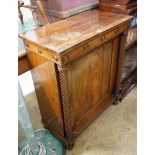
x: 116, y: 102
x: 69, y: 145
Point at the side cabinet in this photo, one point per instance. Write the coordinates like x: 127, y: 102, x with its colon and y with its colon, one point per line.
x: 76, y: 68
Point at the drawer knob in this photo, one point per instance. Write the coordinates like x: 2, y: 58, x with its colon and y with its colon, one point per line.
x: 116, y: 31
x: 102, y: 38
x: 40, y: 51
x: 86, y: 47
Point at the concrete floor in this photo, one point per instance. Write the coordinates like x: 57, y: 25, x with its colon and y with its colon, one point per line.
x: 112, y: 133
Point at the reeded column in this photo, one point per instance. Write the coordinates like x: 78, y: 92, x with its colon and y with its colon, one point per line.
x: 65, y: 104
x: 120, y: 65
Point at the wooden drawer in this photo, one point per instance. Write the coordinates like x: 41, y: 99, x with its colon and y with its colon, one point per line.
x: 77, y: 51
x: 89, y: 45
x: 47, y: 54
x: 38, y: 50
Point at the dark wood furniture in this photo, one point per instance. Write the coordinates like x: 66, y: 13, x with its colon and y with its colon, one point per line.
x: 119, y: 6
x: 129, y: 73
x: 23, y: 63
x: 76, y: 65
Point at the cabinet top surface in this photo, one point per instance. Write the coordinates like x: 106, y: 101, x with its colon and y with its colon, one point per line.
x: 69, y: 32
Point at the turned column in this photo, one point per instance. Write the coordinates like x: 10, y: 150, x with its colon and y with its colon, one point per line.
x: 121, y: 60
x: 65, y: 105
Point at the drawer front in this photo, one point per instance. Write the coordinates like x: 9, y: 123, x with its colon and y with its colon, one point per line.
x: 100, y: 39
x: 45, y: 53
x: 79, y: 50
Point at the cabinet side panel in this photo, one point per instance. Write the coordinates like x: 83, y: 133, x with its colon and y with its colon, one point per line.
x: 47, y: 91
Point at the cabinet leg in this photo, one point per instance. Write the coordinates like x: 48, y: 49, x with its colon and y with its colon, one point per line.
x: 116, y: 102
x: 44, y: 124
x: 118, y: 99
x: 70, y: 145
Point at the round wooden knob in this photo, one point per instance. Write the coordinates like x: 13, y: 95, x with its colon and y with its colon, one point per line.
x: 86, y: 47
x: 40, y: 51
x: 116, y: 31
x: 102, y: 38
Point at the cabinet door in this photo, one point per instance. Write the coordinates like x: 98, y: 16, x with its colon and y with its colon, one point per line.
x: 91, y: 81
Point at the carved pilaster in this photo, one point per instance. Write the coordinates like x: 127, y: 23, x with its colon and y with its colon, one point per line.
x: 121, y: 60
x: 65, y: 104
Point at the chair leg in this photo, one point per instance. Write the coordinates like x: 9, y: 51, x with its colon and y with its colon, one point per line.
x: 42, y: 11
x: 20, y: 16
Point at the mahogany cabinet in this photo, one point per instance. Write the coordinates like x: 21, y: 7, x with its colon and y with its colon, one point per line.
x: 129, y: 72
x: 76, y: 65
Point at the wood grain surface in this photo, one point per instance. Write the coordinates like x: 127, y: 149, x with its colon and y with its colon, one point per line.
x: 74, y: 65
x: 67, y: 33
